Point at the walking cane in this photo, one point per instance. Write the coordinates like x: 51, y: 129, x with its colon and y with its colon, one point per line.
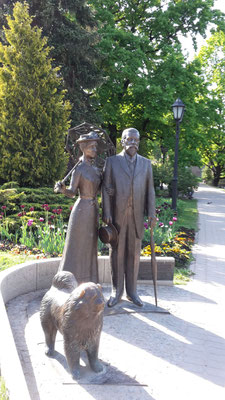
x: 153, y: 263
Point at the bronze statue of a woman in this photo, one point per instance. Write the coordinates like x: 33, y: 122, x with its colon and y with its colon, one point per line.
x: 80, y: 250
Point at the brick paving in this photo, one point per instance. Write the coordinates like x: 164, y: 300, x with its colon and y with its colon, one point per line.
x: 147, y: 356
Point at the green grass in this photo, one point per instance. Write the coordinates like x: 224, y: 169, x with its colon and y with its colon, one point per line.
x: 8, y: 259
x: 187, y: 214
x: 3, y: 390
x: 182, y: 276
x: 188, y: 218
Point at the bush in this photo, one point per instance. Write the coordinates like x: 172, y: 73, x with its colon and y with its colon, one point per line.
x: 162, y: 174
x: 207, y: 175
x: 10, y: 185
x: 187, y: 182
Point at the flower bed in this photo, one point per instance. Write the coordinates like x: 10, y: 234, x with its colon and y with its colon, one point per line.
x: 179, y: 247
x: 41, y: 230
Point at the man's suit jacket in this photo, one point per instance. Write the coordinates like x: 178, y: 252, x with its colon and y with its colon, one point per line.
x: 117, y: 188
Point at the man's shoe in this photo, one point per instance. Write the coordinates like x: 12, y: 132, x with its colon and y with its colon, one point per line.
x: 113, y: 300
x: 135, y: 299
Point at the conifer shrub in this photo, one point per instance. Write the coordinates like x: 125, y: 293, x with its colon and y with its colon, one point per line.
x: 34, y: 116
x: 10, y: 185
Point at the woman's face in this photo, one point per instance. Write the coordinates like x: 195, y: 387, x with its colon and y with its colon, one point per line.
x: 90, y: 149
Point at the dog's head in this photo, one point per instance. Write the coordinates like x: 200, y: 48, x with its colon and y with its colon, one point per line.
x: 85, y: 304
x: 64, y: 280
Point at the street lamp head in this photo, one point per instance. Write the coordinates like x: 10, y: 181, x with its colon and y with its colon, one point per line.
x: 178, y: 110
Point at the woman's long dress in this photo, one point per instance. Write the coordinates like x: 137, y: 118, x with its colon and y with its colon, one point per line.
x: 80, y: 250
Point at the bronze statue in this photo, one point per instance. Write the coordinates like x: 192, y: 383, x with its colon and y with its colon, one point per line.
x: 80, y: 250
x: 128, y: 195
x: 77, y: 312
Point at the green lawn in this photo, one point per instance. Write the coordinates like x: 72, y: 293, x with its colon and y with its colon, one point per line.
x: 187, y: 214
x: 8, y: 259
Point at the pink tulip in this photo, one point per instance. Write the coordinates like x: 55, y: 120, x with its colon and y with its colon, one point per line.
x: 174, y: 218
x: 41, y: 219
x: 30, y: 222
x: 46, y: 207
x: 170, y: 222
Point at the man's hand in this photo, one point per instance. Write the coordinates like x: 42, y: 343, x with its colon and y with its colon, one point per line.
x: 152, y: 222
x: 107, y: 219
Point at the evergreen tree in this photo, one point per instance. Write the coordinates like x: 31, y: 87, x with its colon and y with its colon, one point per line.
x: 72, y: 33
x: 33, y: 112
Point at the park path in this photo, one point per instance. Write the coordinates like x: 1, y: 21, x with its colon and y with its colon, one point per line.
x: 207, y: 354
x: 153, y: 356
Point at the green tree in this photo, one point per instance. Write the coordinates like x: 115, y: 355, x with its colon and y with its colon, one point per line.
x: 72, y: 35
x: 144, y: 68
x: 33, y: 112
x: 212, y: 127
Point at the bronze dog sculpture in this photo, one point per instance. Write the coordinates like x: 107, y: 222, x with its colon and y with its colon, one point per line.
x: 77, y: 312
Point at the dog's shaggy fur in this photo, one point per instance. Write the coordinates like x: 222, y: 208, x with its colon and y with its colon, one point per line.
x: 77, y: 312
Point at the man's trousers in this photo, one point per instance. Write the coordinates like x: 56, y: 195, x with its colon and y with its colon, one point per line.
x: 125, y: 257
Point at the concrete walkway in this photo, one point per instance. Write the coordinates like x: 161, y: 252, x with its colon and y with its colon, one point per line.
x: 176, y: 356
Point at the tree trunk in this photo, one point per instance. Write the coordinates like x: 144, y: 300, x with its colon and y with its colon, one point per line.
x: 112, y: 133
x: 215, y: 181
x: 216, y: 176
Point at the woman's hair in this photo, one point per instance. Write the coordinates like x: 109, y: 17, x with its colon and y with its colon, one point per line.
x: 84, y: 144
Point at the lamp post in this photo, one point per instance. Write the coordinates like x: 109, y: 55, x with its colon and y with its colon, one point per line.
x: 178, y: 112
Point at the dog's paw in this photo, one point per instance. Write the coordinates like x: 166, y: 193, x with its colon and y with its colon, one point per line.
x: 76, y: 374
x: 96, y: 366
x: 49, y: 351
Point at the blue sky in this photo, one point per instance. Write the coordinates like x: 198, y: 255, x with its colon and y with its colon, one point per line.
x: 187, y: 42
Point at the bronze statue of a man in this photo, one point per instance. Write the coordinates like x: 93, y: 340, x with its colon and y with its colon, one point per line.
x: 128, y: 195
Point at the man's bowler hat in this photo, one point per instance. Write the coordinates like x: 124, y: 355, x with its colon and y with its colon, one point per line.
x: 108, y: 234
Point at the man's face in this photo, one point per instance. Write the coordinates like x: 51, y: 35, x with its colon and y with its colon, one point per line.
x: 130, y: 143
